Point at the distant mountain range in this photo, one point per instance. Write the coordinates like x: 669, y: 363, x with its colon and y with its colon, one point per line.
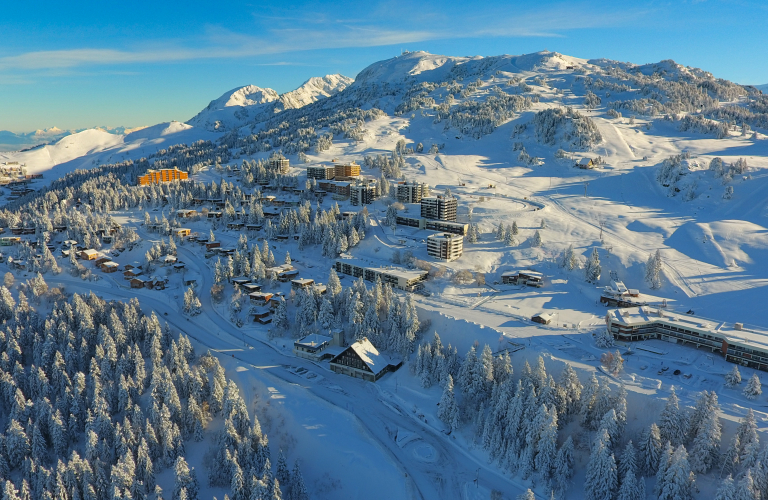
x: 12, y: 141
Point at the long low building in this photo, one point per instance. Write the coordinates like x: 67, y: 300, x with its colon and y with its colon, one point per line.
x: 737, y: 343
x: 404, y: 279
x: 433, y: 225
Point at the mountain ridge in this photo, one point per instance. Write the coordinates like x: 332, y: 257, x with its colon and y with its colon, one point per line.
x: 233, y: 108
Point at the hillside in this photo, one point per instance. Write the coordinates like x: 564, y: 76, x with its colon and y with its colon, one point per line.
x: 672, y: 202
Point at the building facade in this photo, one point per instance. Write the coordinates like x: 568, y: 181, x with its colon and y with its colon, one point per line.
x: 735, y: 342
x: 279, y: 165
x: 162, y: 175
x: 322, y: 172
x: 347, y: 170
x: 362, y: 195
x: 445, y: 246
x: 433, y: 225
x: 439, y: 207
x: 363, y: 360
x: 404, y: 279
x: 411, y: 192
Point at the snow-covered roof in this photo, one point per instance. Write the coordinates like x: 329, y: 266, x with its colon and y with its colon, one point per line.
x: 90, y: 252
x: 585, y: 161
x: 371, y: 356
x: 619, y: 286
x: 313, y: 340
x: 733, y: 333
x: 303, y: 281
x: 111, y: 264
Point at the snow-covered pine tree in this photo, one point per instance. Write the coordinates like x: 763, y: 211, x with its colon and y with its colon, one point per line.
x: 592, y: 269
x: 536, y: 240
x: 449, y: 411
x: 705, y: 451
x: 568, y: 261
x: 673, y: 421
x: 733, y: 378
x: 650, y: 449
x: 601, y: 476
x: 679, y: 480
x: 564, y: 465
x: 754, y: 389
x: 627, y: 461
x: 727, y: 490
x: 509, y: 239
x: 653, y: 270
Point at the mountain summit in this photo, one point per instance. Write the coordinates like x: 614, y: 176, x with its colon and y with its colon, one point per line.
x: 240, y: 105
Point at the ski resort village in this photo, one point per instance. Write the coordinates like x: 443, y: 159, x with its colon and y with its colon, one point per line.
x: 533, y: 276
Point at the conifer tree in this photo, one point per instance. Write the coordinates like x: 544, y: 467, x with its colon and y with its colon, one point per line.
x: 601, y: 477
x: 650, y: 449
x: 733, y: 378
x: 449, y: 411
x: 672, y: 421
x: 592, y: 269
x: 753, y: 390
x: 536, y: 241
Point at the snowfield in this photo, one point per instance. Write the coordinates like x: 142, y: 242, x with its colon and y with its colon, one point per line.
x: 503, y: 135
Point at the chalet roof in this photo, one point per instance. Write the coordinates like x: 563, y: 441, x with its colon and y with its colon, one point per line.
x: 545, y: 316
x: 585, y: 161
x: 371, y: 356
x: 111, y: 264
x: 90, y: 252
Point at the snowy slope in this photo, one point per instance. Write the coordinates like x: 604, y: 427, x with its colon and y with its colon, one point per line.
x: 236, y: 107
x: 91, y: 147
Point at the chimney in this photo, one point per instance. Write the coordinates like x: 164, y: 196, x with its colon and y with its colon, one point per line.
x: 738, y: 326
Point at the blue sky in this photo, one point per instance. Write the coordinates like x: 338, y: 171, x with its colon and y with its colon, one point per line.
x: 85, y: 63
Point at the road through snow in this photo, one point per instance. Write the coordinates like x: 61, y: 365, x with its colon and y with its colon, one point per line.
x: 381, y: 414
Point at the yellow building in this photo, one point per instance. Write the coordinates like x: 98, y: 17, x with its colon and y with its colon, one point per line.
x: 162, y: 175
x: 347, y: 170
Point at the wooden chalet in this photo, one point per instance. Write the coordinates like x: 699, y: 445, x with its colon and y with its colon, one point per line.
x: 262, y: 315
x: 363, y: 360
x: 110, y: 267
x: 260, y: 298
x: 299, y: 284
x: 543, y: 318
x: 89, y: 254
x: 586, y: 163
x: 137, y: 283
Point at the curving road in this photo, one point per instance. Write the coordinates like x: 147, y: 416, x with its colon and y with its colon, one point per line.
x: 444, y: 473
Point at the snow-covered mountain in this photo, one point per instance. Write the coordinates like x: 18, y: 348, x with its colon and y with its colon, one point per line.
x: 12, y: 141
x: 249, y: 103
x: 763, y: 88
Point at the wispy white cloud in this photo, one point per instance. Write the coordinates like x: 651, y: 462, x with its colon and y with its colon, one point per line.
x: 315, y: 31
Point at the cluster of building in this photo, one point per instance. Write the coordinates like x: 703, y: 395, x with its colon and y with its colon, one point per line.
x: 344, y: 181
x: 13, y: 174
